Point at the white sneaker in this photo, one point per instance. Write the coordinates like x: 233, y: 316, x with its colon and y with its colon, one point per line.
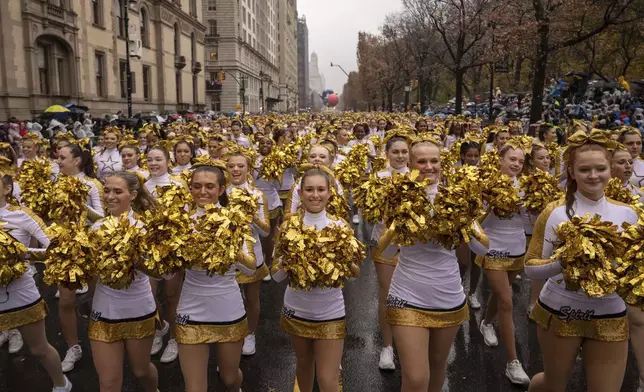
x: 514, y: 371
x: 82, y: 290
x: 57, y: 295
x: 73, y: 355
x: 489, y: 335
x: 518, y: 277
x: 356, y: 219
x: 267, y: 278
x: 171, y: 351
x: 15, y: 341
x: 387, y: 359
x: 157, y: 344
x: 474, y: 302
x: 249, y: 345
x: 66, y: 388
x: 4, y: 337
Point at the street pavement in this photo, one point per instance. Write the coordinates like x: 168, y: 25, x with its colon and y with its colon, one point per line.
x: 472, y: 365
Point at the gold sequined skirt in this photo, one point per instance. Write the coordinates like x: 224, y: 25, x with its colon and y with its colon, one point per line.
x: 284, y: 194
x: 376, y: 255
x: 319, y: 330
x: 505, y: 264
x: 24, y: 315
x: 204, y: 332
x: 412, y: 316
x: 613, y: 328
x: 108, y: 331
x: 261, y: 272
x: 275, y: 213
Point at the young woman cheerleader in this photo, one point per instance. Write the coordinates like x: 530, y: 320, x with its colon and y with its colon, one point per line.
x: 76, y: 162
x: 183, y: 156
x: 632, y: 139
x: 270, y: 190
x: 124, y: 319
x: 397, y: 151
x: 30, y: 146
x: 8, y: 152
x: 21, y: 306
x: 455, y: 132
x: 108, y: 159
x: 239, y: 168
x: 426, y: 304
x: 315, y: 319
x: 211, y: 308
x: 158, y: 160
x: 282, y: 137
x: 601, y: 325
x: 130, y: 155
x: 501, y: 265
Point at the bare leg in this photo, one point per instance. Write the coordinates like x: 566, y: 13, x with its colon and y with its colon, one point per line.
x: 108, y: 360
x: 228, y: 357
x: 251, y: 292
x: 559, y: 357
x: 328, y: 357
x: 138, y: 352
x: 501, y: 304
x: 36, y: 339
x: 67, y: 315
x: 305, y: 368
x: 413, y: 346
x: 605, y: 365
x: 194, y: 366
x: 384, y: 273
x: 440, y: 342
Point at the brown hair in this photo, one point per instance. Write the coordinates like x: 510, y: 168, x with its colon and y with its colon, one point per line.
x: 144, y: 201
x: 571, y: 183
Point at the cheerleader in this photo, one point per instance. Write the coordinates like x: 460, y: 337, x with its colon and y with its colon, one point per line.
x: 455, y: 132
x: 238, y: 136
x: 77, y: 162
x: 318, y: 155
x: 270, y: 190
x: 108, y: 159
x: 547, y: 134
x: 7, y: 151
x: 21, y: 306
x: 342, y: 138
x: 360, y: 133
x: 130, y: 156
x: 123, y: 319
x: 282, y: 137
x: 183, y: 156
x: 397, y: 151
x: 632, y: 139
x: 421, y: 126
x: 426, y: 304
x: 30, y: 146
x: 211, y: 308
x: 214, y: 143
x: 158, y: 160
x: 143, y: 140
x: 239, y: 168
x: 568, y: 320
x: 501, y: 265
x: 315, y: 319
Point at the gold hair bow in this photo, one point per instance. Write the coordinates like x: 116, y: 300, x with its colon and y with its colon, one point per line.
x: 33, y: 137
x: 625, y: 129
x: 206, y: 160
x: 425, y: 137
x: 303, y: 168
x: 129, y: 143
x: 397, y: 133
x: 5, y: 146
x: 5, y: 167
x: 522, y: 142
x: 596, y: 136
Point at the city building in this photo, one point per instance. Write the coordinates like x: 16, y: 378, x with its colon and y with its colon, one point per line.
x: 288, y: 55
x: 242, y: 55
x: 316, y: 79
x: 74, y: 51
x: 303, y: 63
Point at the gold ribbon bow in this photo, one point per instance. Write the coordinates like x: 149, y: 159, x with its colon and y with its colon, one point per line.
x: 5, y: 166
x: 522, y: 142
x: 625, y: 129
x: 596, y: 136
x: 206, y: 160
x: 32, y: 136
x: 425, y: 137
x: 5, y: 146
x: 303, y: 168
x: 397, y: 133
x: 129, y: 143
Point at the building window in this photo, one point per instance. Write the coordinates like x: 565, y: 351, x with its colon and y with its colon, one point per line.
x: 193, y: 7
x: 97, y: 12
x: 146, y: 82
x: 123, y: 78
x: 212, y: 28
x: 212, y: 5
x: 177, y: 80
x: 177, y: 40
x: 145, y: 38
x: 60, y: 68
x: 99, y: 68
x: 43, y: 68
x: 120, y: 17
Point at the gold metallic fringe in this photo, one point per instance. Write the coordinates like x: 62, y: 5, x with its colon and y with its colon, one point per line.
x: 102, y: 331
x: 29, y: 315
x: 412, y: 317
x: 602, y: 329
x: 211, y: 333
x: 322, y: 330
x: 509, y: 264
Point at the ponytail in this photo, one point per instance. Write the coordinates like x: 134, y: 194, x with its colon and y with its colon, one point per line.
x: 571, y: 188
x: 85, y: 155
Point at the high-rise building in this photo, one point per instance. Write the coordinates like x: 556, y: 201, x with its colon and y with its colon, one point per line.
x: 315, y: 78
x: 242, y: 55
x: 288, y: 55
x: 303, y: 62
x: 73, y: 51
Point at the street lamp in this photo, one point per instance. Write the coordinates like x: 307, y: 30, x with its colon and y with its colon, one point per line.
x: 339, y: 66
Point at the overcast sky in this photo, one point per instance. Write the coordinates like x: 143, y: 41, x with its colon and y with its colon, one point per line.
x: 333, y: 31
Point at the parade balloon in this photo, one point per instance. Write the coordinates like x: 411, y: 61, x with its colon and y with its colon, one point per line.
x: 333, y: 100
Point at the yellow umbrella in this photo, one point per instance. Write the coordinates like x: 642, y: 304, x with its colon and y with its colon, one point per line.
x: 56, y: 109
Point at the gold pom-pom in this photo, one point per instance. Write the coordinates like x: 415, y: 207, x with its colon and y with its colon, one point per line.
x: 338, y: 204
x: 489, y: 164
x: 378, y: 163
x: 68, y: 199
x: 68, y: 259
x: 631, y: 266
x: 274, y: 164
x: 501, y: 196
x: 351, y: 170
x: 408, y: 209
x: 312, y: 258
x: 614, y: 190
x: 539, y: 189
x: 456, y: 206
x: 118, y: 251
x: 36, y: 185
x: 371, y: 198
x: 12, y: 262
x: 245, y: 201
x: 586, y: 249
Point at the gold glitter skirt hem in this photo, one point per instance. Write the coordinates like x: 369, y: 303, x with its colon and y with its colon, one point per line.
x: 613, y: 329
x: 413, y: 317
x: 284, y: 194
x: 322, y: 330
x: 259, y: 274
x: 376, y: 255
x: 109, y: 332
x: 275, y: 213
x: 24, y: 316
x: 211, y: 333
x: 509, y: 264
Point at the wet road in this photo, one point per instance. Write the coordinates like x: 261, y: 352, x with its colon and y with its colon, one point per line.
x: 472, y: 365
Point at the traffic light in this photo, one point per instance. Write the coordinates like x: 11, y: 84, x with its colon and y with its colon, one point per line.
x: 221, y: 76
x: 414, y: 84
